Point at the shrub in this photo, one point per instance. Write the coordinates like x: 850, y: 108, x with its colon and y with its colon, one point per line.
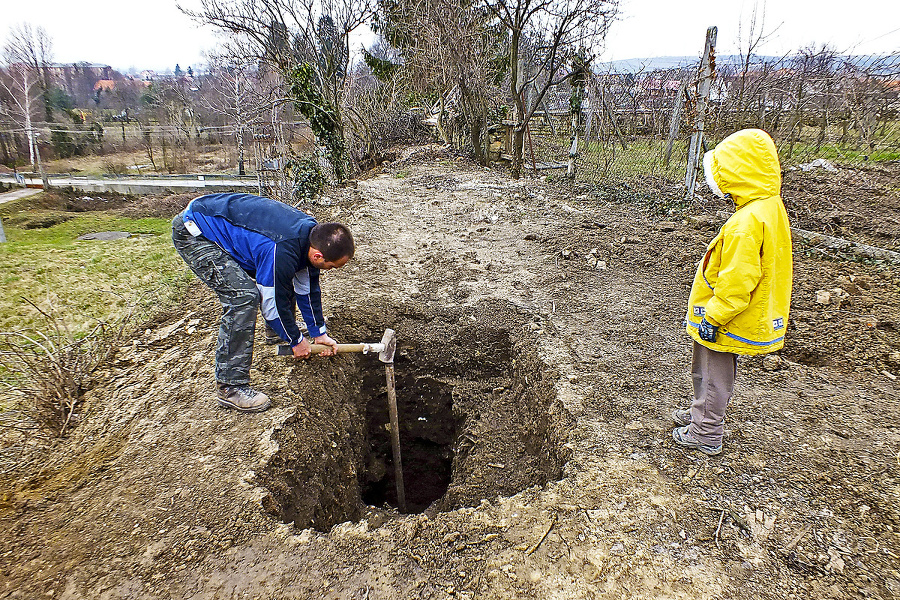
x: 114, y: 168
x: 52, y: 368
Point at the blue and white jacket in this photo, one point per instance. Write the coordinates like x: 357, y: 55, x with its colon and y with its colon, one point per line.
x: 270, y: 240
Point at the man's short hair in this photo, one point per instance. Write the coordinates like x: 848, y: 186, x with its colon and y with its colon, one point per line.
x: 333, y: 240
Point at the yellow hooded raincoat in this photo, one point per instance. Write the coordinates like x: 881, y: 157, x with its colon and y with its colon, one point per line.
x: 743, y: 283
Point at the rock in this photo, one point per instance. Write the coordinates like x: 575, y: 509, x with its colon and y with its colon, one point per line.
x: 631, y: 240
x: 835, y: 562
x: 835, y: 296
x: 531, y: 237
x: 819, y: 163
x: 566, y: 254
x: 105, y: 235
x: 838, y: 296
x: 601, y: 265
x: 700, y: 221
x: 772, y: 362
x: 894, y: 358
x: 666, y: 226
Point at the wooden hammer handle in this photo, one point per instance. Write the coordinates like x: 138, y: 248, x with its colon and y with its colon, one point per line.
x: 285, y: 350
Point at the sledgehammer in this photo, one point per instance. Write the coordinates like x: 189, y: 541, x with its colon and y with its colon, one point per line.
x: 385, y: 349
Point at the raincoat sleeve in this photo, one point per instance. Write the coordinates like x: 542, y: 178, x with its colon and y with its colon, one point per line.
x: 739, y: 274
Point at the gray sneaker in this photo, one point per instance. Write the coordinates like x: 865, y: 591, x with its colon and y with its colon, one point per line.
x: 683, y: 438
x: 681, y: 416
x: 242, y: 398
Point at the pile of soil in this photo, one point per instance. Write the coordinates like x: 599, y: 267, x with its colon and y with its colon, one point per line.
x: 818, y: 200
x: 540, y: 355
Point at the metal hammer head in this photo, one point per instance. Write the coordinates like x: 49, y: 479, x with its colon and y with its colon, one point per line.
x: 390, y: 345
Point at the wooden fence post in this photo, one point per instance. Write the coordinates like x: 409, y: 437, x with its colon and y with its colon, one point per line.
x: 706, y: 77
x: 612, y: 117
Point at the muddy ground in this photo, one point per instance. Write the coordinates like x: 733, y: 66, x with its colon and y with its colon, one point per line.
x: 540, y: 354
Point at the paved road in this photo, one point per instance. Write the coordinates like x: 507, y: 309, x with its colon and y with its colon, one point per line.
x: 16, y: 194
x: 136, y: 185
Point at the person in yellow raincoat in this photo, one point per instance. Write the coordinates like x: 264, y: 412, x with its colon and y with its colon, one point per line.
x: 741, y: 294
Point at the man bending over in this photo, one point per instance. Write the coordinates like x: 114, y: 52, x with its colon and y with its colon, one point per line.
x: 255, y: 252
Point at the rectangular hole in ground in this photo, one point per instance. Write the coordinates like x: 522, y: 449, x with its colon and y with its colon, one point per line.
x: 476, y: 421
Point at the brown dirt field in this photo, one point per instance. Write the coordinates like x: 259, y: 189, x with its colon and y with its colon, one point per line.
x: 534, y: 391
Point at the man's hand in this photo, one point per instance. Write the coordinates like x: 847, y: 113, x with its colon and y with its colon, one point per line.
x: 327, y: 341
x: 301, y: 350
x: 707, y: 331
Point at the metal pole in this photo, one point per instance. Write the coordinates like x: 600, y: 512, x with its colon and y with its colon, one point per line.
x: 37, y: 152
x: 706, y: 77
x: 395, y: 436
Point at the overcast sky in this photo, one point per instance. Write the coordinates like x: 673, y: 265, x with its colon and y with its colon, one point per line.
x: 156, y: 35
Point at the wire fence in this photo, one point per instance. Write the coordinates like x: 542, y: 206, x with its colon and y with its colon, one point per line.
x: 845, y: 110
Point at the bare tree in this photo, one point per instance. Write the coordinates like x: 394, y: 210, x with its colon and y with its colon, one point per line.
x: 26, y: 55
x: 307, y: 42
x: 552, y: 32
x: 233, y: 92
x: 449, y: 48
x: 750, y: 80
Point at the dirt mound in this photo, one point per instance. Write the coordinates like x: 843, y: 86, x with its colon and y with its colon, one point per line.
x: 161, y: 207
x: 819, y: 201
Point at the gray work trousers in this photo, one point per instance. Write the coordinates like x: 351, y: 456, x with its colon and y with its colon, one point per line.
x: 238, y: 294
x: 713, y: 374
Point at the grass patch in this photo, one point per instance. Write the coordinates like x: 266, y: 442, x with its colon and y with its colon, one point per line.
x: 88, y: 280
x: 604, y: 161
x: 837, y: 153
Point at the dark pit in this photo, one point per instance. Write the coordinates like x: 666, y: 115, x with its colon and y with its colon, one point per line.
x: 477, y: 410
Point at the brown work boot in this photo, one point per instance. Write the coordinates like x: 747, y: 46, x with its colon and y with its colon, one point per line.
x: 242, y: 398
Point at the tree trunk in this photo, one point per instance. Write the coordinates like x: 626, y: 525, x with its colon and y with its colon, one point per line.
x: 518, y: 151
x: 440, y: 122
x: 518, y: 137
x: 240, y: 150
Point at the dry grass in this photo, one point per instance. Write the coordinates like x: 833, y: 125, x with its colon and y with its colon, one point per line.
x: 52, y: 366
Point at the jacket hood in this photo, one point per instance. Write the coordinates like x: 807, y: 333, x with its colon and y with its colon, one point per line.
x: 745, y: 165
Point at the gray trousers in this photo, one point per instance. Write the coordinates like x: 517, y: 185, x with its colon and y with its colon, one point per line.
x: 238, y: 294
x: 713, y: 374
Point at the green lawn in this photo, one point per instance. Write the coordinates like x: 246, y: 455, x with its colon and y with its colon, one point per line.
x: 85, y: 280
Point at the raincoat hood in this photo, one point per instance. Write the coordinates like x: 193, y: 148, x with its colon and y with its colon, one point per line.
x: 745, y: 165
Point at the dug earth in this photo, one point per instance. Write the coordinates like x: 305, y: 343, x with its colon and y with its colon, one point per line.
x: 540, y: 352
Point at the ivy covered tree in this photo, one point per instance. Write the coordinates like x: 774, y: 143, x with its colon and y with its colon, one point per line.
x: 304, y: 42
x: 544, y: 38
